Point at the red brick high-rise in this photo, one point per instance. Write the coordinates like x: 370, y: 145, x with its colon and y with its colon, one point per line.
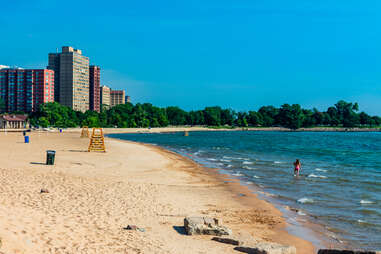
x: 25, y: 89
x: 95, y: 81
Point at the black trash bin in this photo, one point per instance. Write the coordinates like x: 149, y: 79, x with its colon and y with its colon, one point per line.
x: 50, y: 155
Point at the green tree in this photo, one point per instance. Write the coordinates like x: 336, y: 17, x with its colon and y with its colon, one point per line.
x: 365, y: 119
x: 269, y: 115
x: 346, y: 113
x: 227, y: 116
x: 291, y: 116
x: 241, y: 120
x: 176, y: 116
x: 308, y: 118
x: 212, y: 116
x: 43, y: 122
x: 196, y: 118
x: 334, y: 116
x: 254, y: 119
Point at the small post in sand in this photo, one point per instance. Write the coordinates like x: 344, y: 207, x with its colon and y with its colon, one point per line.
x: 186, y: 133
x: 97, y: 141
x: 85, y: 132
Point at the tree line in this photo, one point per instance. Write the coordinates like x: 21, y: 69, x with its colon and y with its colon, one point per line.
x: 342, y: 114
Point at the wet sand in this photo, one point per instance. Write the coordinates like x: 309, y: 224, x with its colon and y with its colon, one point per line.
x: 93, y: 196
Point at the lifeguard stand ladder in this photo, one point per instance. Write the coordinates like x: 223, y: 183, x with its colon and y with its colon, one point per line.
x: 97, y: 141
x: 85, y: 132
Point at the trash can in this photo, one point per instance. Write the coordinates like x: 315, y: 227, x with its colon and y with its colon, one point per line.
x: 24, y: 133
x: 60, y: 130
x: 50, y: 155
x: 26, y: 139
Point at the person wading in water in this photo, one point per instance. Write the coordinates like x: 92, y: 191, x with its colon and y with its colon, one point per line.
x: 297, y: 166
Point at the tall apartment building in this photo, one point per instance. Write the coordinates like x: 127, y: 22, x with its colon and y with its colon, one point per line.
x: 54, y: 64
x: 117, y: 97
x: 73, y: 83
x: 105, y: 95
x: 25, y: 89
x: 94, y: 78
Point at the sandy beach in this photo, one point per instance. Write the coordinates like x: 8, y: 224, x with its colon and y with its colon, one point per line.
x: 94, y: 196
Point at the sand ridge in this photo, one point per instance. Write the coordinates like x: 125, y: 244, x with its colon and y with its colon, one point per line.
x: 93, y: 196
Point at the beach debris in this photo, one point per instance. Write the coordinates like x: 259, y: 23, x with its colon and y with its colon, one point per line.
x: 267, y: 248
x: 326, y: 251
x: 228, y: 241
x: 135, y: 228
x: 44, y: 191
x: 205, y: 226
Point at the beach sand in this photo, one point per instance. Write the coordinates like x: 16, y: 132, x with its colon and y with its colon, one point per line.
x: 93, y: 196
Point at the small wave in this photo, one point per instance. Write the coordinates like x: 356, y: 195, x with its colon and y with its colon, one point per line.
x: 317, y: 176
x: 300, y: 212
x: 229, y: 166
x: 237, y: 174
x: 277, y: 162
x: 321, y: 170
x: 227, y: 157
x: 305, y: 200
x: 219, y: 164
x: 247, y: 167
x: 224, y: 160
x: 211, y: 159
x: 247, y: 162
x: 364, y: 223
x: 369, y: 212
x: 256, y: 176
x: 333, y: 236
x: 366, y: 202
x: 240, y: 158
x: 248, y: 182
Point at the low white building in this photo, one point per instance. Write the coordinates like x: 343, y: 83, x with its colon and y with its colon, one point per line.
x: 14, y: 122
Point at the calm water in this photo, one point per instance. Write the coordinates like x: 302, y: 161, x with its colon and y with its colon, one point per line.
x: 340, y: 184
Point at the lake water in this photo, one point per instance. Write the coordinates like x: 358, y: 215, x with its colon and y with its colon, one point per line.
x: 340, y: 182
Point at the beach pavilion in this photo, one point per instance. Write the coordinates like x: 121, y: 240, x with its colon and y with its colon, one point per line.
x: 13, y: 122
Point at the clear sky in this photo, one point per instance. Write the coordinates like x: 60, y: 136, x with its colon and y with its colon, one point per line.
x: 233, y: 53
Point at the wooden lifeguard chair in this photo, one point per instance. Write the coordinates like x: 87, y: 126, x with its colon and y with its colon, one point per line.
x: 85, y: 132
x: 97, y: 141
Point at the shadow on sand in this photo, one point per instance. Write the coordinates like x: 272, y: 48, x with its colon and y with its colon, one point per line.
x: 180, y: 230
x: 38, y: 163
x: 78, y: 151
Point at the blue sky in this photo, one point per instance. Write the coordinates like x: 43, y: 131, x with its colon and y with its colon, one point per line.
x: 237, y: 54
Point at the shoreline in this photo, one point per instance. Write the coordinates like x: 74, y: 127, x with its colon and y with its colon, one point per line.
x: 93, y: 196
x: 172, y: 129
x: 308, y: 230
x: 202, y: 128
x: 244, y: 195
